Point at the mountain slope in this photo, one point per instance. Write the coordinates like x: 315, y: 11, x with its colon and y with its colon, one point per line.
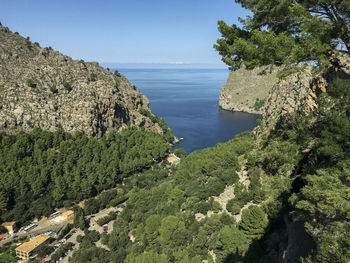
x: 246, y: 90
x: 289, y: 188
x: 40, y: 87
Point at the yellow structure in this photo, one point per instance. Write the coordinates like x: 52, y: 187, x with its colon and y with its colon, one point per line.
x: 65, y: 216
x: 27, y: 249
x: 68, y: 215
x: 173, y: 159
x: 9, y: 226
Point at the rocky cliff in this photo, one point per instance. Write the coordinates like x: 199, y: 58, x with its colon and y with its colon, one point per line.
x: 247, y: 90
x: 297, y: 93
x: 292, y: 98
x: 40, y: 87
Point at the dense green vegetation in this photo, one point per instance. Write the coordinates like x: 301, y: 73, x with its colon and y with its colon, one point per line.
x: 30, y: 83
x: 42, y: 170
x: 93, y: 77
x: 303, y: 163
x: 258, y: 104
x: 298, y: 173
x: 161, y: 215
x: 67, y: 86
x: 285, y: 32
x: 104, y: 220
x: 61, y: 251
x: 168, y: 134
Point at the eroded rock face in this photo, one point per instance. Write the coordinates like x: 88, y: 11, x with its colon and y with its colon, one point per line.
x: 294, y: 96
x: 297, y: 93
x: 40, y: 87
x: 244, y: 88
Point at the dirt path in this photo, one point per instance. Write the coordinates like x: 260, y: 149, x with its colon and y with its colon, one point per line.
x: 229, y: 194
x: 225, y: 196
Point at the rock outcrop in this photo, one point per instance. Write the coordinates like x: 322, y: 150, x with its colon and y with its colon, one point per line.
x: 297, y: 93
x: 40, y: 87
x: 247, y: 90
x: 291, y: 97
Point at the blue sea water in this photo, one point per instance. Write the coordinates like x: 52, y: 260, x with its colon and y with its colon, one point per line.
x: 187, y: 99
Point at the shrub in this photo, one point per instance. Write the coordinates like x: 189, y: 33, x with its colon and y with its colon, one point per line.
x: 67, y: 86
x: 107, y: 219
x: 45, y: 250
x: 233, y: 207
x: 53, y: 89
x: 30, y: 83
x: 65, y: 231
x: 116, y: 73
x: 254, y: 222
x: 339, y: 88
x: 93, y: 77
x: 3, y: 230
x: 61, y: 251
x: 258, y: 104
x: 180, y: 152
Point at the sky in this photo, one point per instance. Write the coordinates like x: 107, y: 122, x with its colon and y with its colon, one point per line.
x: 124, y: 31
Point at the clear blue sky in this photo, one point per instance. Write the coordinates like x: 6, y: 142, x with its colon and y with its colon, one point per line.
x: 124, y: 31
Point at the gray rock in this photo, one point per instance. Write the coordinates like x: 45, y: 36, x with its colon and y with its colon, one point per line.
x: 298, y: 92
x: 244, y: 87
x: 34, y: 92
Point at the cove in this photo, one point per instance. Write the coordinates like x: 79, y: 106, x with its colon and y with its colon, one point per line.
x: 187, y: 99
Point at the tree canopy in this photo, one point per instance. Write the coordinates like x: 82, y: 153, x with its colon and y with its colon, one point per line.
x: 285, y: 32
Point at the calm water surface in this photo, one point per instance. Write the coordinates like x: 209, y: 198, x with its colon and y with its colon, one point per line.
x: 187, y: 99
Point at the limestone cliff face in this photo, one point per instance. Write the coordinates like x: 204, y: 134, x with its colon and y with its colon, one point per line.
x: 247, y: 90
x: 297, y: 93
x: 291, y: 97
x: 40, y: 87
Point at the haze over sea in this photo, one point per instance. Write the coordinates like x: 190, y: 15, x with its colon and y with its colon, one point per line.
x: 187, y: 99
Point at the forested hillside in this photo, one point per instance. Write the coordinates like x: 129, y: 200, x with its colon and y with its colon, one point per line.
x: 290, y: 198
x: 277, y: 194
x: 41, y: 170
x: 280, y: 194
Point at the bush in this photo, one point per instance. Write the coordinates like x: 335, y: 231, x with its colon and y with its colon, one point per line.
x: 116, y: 73
x: 61, y: 251
x: 67, y: 86
x: 180, y: 152
x: 233, y: 207
x: 3, y: 230
x: 30, y: 83
x: 93, y: 77
x: 107, y: 219
x: 339, y: 88
x: 65, y: 231
x: 258, y: 104
x: 254, y: 222
x: 45, y: 250
x: 53, y: 89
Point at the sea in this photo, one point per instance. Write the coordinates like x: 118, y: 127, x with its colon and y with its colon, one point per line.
x: 187, y: 99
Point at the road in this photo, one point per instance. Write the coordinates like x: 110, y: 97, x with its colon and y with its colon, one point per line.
x: 72, y: 239
x: 43, y: 226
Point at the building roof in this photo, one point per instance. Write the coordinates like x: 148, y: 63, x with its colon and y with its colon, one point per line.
x: 5, y: 224
x: 67, y: 213
x: 32, y: 244
x: 173, y: 159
